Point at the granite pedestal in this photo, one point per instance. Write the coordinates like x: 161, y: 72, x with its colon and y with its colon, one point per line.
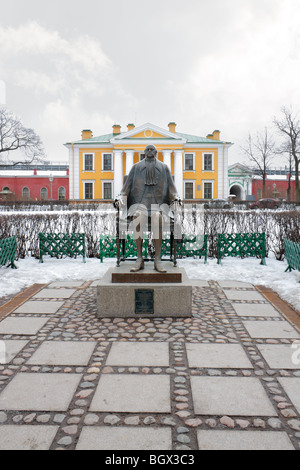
x: 146, y: 293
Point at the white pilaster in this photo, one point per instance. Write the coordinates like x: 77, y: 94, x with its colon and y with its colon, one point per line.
x: 76, y: 173
x: 178, y: 174
x: 167, y: 157
x: 226, y: 184
x: 129, y: 160
x: 118, y: 172
x: 223, y: 184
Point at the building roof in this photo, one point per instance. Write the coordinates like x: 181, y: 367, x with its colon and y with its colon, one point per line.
x: 130, y: 135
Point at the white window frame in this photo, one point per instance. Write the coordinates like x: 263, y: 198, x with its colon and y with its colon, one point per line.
x: 189, y: 153
x: 47, y: 195
x: 189, y: 181
x: 212, y: 187
x: 83, y: 167
x: 112, y: 188
x: 93, y: 183
x: 65, y: 193
x: 26, y: 187
x: 102, y: 162
x: 212, y: 161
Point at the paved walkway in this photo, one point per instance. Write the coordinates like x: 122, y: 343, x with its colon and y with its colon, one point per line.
x: 228, y: 377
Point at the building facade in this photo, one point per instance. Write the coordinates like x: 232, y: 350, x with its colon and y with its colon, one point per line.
x: 34, y: 183
x: 245, y: 184
x: 240, y: 179
x: 276, y: 188
x: 98, y: 165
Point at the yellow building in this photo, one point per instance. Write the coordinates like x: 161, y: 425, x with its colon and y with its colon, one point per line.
x: 97, y: 165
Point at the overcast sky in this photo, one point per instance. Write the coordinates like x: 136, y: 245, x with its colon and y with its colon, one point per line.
x: 230, y: 65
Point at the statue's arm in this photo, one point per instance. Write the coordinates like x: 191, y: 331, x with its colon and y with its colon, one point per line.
x: 126, y: 189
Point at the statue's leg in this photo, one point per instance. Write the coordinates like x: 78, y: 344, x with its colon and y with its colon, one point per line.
x: 157, y: 219
x: 139, y: 263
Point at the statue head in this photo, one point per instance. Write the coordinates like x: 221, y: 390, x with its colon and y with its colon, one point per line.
x: 150, y: 151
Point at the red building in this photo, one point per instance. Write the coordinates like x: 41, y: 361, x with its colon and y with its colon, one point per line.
x: 34, y: 183
x: 276, y: 187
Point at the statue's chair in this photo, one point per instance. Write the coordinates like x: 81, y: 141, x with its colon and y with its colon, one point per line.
x: 126, y: 244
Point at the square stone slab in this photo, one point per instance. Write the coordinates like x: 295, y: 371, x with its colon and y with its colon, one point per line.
x: 132, y: 394
x: 54, y: 293
x: 124, y: 438
x: 39, y: 306
x: 9, y: 348
x: 21, y: 325
x: 39, y: 392
x: 217, y: 355
x: 66, y: 284
x: 243, y: 295
x: 243, y: 440
x: 25, y: 437
x: 60, y: 353
x: 139, y: 354
x: 291, y: 386
x: 278, y: 356
x: 229, y: 284
x: 270, y: 329
x: 235, y: 396
x: 255, y: 310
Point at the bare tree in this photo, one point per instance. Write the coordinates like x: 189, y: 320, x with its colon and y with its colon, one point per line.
x: 260, y: 152
x: 15, y: 137
x: 289, y: 127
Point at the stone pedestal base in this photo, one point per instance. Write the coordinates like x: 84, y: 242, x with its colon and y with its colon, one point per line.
x: 136, y: 295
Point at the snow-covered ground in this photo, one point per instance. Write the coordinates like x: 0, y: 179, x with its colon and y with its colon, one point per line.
x: 31, y: 271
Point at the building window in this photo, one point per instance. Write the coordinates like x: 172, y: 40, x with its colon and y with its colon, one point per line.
x: 207, y: 190
x: 189, y: 190
x: 44, y: 194
x: 88, y: 162
x: 107, y: 162
x: 88, y: 190
x: 188, y: 161
x: 61, y: 193
x: 208, y: 162
x: 107, y: 190
x: 25, y: 194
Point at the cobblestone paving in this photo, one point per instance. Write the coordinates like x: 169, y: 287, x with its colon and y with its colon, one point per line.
x: 75, y: 381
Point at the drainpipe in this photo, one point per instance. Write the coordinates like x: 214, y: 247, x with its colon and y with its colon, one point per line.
x: 73, y: 184
x: 224, y: 170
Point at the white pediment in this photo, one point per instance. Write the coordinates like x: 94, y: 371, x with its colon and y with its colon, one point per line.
x: 148, y: 131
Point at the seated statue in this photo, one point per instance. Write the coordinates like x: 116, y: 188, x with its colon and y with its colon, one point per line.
x: 148, y: 188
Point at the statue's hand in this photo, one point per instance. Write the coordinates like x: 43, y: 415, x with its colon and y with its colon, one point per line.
x: 178, y: 201
x: 119, y: 202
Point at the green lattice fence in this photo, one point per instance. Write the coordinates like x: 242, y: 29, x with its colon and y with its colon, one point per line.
x: 188, y: 246
x: 108, y: 247
x: 242, y: 244
x: 292, y: 254
x: 62, y: 244
x: 192, y: 245
x: 8, y: 248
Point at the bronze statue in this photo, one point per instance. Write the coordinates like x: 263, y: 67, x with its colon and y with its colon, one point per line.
x: 148, y: 187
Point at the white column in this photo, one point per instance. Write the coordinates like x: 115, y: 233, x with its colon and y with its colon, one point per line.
x: 178, y: 172
x: 118, y: 172
x: 167, y: 157
x: 76, y: 173
x: 129, y: 160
